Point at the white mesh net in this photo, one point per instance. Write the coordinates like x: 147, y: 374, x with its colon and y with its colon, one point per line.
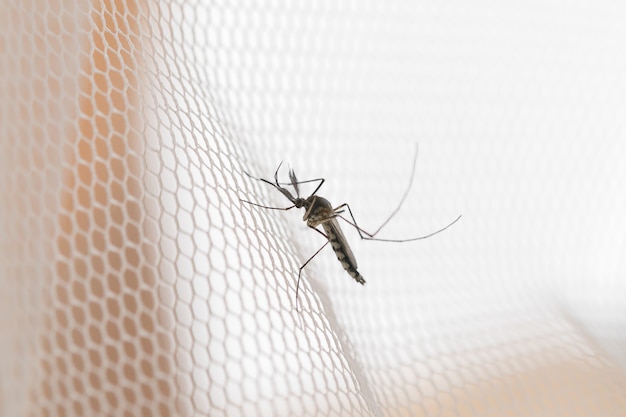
x: 135, y: 283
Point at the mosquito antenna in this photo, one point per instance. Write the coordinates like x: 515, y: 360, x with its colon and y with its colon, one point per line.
x: 404, y: 196
x: 294, y: 181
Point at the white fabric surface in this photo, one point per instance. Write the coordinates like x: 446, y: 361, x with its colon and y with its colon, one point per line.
x: 133, y: 281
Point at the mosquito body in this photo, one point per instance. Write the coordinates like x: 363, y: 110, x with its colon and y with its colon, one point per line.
x: 320, y: 212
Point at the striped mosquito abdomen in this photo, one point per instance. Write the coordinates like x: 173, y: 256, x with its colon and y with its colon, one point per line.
x: 319, y: 211
x: 342, y: 250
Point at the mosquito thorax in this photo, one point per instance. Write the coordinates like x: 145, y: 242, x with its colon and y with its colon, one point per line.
x: 319, y: 203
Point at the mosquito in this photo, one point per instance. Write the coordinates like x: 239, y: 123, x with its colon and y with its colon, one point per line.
x: 320, y: 212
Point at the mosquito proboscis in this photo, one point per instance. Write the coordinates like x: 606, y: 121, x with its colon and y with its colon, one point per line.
x: 320, y: 212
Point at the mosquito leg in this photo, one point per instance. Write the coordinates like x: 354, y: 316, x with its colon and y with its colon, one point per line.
x: 259, y: 179
x: 321, y: 180
x: 276, y: 173
x: 370, y: 236
x: 267, y: 207
x: 319, y: 231
x: 305, y: 264
x: 393, y: 213
x: 353, y: 223
x: 404, y: 196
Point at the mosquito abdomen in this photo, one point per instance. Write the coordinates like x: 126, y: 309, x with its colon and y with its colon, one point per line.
x: 340, y: 251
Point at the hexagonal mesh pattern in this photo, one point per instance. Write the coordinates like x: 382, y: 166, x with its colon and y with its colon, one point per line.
x: 135, y: 282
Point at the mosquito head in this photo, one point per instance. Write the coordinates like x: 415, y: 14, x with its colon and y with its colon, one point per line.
x: 300, y: 202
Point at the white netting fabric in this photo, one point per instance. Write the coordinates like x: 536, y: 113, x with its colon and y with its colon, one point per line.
x: 133, y: 282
